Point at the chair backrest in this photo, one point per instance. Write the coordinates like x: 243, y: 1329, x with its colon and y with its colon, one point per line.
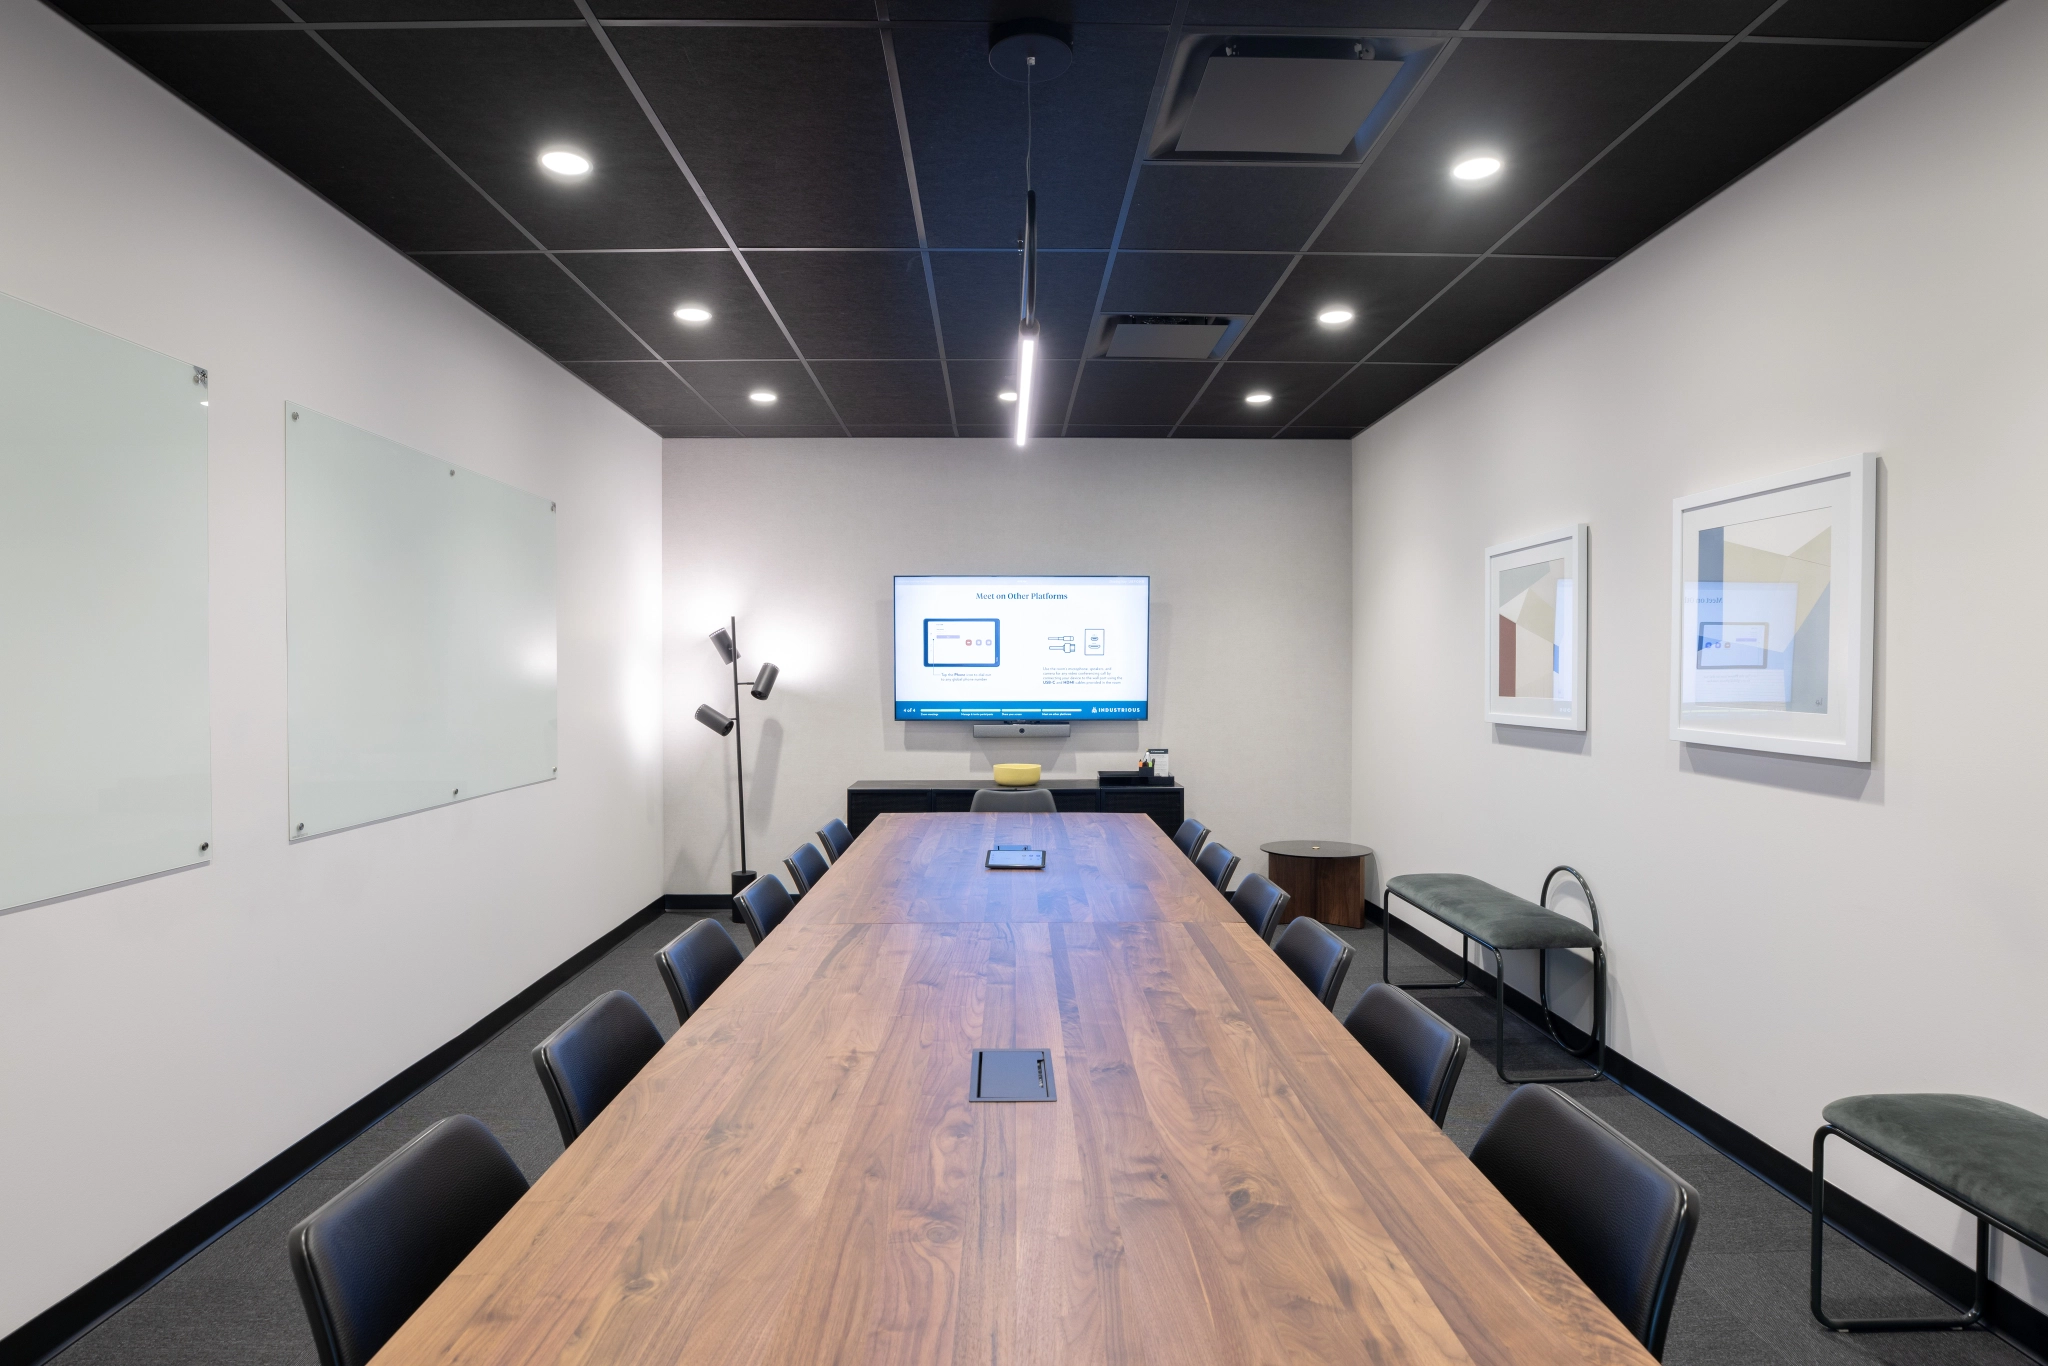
x: 369, y: 1257
x: 836, y: 838
x: 694, y: 964
x: 1190, y: 836
x: 1020, y: 799
x: 590, y: 1059
x: 1413, y: 1043
x: 1217, y: 863
x: 806, y: 866
x: 1260, y: 903
x: 763, y: 905
x: 1320, y: 959
x: 1616, y: 1215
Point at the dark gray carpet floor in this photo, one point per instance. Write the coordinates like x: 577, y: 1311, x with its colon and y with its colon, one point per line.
x: 1743, y: 1298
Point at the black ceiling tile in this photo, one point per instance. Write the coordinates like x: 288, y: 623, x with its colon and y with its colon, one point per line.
x: 1226, y: 433
x: 1139, y: 391
x: 1356, y: 14
x: 650, y: 391
x: 1369, y: 393
x: 977, y: 382
x: 1381, y: 292
x: 533, y: 298
x: 492, y: 98
x: 1743, y: 108
x: 384, y: 11
x: 850, y: 305
x: 1188, y: 282
x: 1546, y: 107
x: 290, y: 101
x: 967, y: 135
x: 786, y: 429
x: 984, y: 431
x: 790, y: 131
x: 1497, y: 296
x: 1923, y: 21
x: 896, y: 392
x: 1114, y: 431
x: 1079, y: 12
x: 1300, y: 433
x: 842, y: 10
x: 726, y: 384
x: 979, y: 294
x: 1723, y: 17
x: 900, y: 429
x: 694, y: 433
x: 1293, y: 388
x: 1231, y: 208
x: 170, y: 11
x: 645, y: 288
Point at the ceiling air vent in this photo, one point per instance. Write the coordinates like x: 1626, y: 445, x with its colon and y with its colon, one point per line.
x: 1157, y: 336
x: 1284, y: 98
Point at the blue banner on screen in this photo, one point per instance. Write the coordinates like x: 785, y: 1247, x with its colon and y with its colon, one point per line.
x: 1022, y: 648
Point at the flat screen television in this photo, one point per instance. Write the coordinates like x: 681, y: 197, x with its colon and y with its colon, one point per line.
x: 1019, y: 647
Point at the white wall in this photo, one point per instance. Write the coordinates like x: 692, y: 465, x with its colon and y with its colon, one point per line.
x: 1247, y: 543
x: 1783, y: 931
x: 165, y: 1038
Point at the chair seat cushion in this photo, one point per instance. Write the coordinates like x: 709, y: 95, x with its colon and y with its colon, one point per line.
x: 1991, y: 1154
x: 1486, y: 913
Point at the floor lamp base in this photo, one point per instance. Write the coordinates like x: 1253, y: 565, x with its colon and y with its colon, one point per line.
x: 740, y: 879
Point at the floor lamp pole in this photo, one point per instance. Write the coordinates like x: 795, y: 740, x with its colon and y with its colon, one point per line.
x: 744, y: 875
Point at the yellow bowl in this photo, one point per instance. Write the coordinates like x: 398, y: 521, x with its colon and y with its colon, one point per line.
x: 1016, y: 775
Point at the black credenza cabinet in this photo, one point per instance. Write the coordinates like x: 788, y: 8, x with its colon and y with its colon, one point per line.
x: 1164, y: 803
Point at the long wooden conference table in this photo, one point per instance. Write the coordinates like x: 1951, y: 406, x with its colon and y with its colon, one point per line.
x: 1225, y: 1176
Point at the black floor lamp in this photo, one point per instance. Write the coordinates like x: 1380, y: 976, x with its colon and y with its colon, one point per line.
x: 726, y: 639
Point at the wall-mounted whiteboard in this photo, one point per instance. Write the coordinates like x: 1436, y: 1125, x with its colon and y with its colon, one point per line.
x: 421, y: 601
x: 105, y: 766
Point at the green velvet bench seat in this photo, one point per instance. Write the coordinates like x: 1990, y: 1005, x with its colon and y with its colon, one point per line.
x: 1503, y: 922
x: 1984, y: 1155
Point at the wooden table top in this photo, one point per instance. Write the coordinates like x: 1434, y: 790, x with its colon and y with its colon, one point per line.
x: 1226, y: 1176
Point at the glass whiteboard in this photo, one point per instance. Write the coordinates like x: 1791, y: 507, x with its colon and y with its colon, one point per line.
x: 105, y: 763
x: 421, y: 652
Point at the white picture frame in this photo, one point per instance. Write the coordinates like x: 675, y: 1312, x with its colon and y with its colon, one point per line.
x: 1785, y: 666
x: 1536, y: 595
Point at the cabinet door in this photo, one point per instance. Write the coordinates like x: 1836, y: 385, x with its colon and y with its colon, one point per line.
x: 1166, y: 805
x: 863, y: 804
x: 1077, y: 798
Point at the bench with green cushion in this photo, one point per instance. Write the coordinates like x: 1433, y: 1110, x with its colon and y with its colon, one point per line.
x: 1984, y: 1155
x: 1503, y: 922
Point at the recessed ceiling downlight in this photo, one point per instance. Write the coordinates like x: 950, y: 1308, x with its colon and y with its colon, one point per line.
x: 693, y: 313
x: 1007, y: 396
x: 1257, y: 397
x: 1476, y: 168
x: 563, y: 161
x: 761, y: 396
x: 1335, y: 317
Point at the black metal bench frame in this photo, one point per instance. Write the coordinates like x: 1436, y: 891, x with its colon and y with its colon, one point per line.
x: 1596, y: 1044
x: 1985, y: 1223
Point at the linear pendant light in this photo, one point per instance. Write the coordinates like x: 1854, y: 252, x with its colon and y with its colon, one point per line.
x: 1027, y: 325
x: 1029, y: 50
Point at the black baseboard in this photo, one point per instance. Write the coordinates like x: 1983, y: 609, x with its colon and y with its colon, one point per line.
x: 2012, y: 1318
x: 57, y: 1327
x: 696, y: 901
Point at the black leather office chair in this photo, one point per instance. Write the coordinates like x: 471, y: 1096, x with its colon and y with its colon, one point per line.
x: 835, y: 838
x: 1217, y: 863
x: 1190, y: 836
x: 694, y: 964
x: 806, y: 866
x: 369, y: 1257
x: 1320, y: 959
x: 763, y: 905
x: 590, y: 1059
x: 1616, y: 1215
x: 1260, y: 903
x: 1019, y: 799
x: 1413, y: 1043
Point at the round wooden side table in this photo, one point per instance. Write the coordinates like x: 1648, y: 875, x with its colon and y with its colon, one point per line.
x: 1325, y: 878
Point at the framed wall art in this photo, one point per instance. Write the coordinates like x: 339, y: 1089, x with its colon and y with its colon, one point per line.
x: 1773, y: 585
x: 1536, y: 631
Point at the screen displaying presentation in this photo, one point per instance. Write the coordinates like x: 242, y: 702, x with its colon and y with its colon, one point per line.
x: 1022, y: 648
